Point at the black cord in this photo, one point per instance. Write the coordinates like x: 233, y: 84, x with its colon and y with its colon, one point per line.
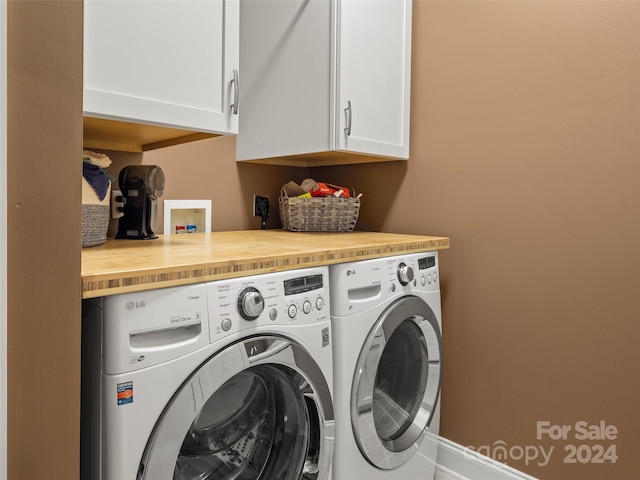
x: 263, y: 211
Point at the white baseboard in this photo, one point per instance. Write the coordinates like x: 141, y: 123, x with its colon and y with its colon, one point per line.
x: 456, y: 462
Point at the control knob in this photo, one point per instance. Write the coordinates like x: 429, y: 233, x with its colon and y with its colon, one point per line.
x: 250, y: 303
x: 405, y: 274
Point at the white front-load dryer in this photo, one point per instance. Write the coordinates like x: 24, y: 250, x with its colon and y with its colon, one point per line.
x: 386, y: 321
x: 228, y: 380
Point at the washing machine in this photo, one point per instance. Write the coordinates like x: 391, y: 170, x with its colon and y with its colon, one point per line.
x: 226, y: 380
x: 386, y: 321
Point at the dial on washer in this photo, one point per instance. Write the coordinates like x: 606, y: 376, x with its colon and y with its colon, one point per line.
x: 405, y: 274
x: 250, y: 303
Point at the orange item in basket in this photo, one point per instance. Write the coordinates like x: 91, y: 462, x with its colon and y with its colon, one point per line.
x: 328, y: 190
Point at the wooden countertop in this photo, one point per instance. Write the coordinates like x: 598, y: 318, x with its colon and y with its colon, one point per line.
x: 120, y: 266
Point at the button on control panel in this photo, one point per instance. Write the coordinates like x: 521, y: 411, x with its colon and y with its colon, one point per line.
x: 306, y: 306
x: 226, y: 324
x: 429, y: 279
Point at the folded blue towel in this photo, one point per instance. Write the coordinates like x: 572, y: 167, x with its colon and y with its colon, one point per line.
x: 96, y: 178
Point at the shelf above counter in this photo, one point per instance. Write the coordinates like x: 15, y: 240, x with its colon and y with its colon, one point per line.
x: 107, y: 134
x: 120, y: 266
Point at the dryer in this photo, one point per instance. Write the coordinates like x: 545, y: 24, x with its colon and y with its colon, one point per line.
x: 223, y: 380
x: 386, y: 321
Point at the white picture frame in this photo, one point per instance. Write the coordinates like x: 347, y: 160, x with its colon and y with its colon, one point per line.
x: 186, y: 213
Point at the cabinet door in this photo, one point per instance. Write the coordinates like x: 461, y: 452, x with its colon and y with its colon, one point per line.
x: 163, y: 62
x: 286, y: 78
x: 374, y: 75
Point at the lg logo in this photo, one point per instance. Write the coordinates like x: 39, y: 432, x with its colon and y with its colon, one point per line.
x: 136, y: 359
x: 132, y: 305
x: 351, y: 271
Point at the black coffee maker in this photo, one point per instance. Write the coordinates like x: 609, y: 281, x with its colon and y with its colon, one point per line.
x: 141, y: 186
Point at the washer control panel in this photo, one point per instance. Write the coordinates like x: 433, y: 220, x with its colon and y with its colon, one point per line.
x: 428, y: 266
x: 297, y: 297
x: 358, y: 286
x: 415, y: 272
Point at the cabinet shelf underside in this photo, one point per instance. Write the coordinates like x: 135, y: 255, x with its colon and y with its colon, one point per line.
x: 107, y: 134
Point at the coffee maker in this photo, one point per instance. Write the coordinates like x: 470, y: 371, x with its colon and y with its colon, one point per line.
x: 141, y: 186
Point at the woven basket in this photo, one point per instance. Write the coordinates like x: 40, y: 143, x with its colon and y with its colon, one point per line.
x: 319, y: 214
x: 95, y: 216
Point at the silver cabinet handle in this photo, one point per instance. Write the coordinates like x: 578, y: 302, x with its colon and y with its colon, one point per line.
x: 347, y: 113
x: 236, y: 93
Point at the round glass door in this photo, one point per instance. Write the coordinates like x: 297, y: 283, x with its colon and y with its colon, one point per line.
x: 255, y: 425
x: 260, y: 409
x: 396, y: 383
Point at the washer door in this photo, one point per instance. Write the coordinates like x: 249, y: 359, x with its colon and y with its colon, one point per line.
x: 397, y: 382
x: 258, y: 409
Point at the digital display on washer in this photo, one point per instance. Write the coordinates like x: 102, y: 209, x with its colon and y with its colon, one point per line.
x: 426, y: 262
x: 302, y: 284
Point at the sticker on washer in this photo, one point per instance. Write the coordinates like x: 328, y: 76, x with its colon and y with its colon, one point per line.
x: 125, y: 393
x: 325, y: 337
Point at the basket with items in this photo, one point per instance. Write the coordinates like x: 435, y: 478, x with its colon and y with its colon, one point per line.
x: 318, y: 207
x: 96, y: 196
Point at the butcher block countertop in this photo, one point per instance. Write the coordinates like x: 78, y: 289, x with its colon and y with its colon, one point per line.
x: 120, y: 266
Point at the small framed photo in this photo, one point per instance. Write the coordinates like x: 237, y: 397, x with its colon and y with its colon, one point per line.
x: 187, y: 216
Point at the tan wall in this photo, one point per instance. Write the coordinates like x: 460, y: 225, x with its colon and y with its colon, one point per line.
x: 44, y: 140
x: 525, y: 150
x: 207, y: 170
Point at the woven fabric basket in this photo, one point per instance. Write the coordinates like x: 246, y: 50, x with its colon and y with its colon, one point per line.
x: 95, y: 216
x: 319, y: 214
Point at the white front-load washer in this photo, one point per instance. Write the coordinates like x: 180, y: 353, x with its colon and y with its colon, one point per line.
x: 386, y: 323
x: 227, y: 380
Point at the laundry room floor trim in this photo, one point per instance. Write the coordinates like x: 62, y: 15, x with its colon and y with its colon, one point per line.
x: 456, y: 462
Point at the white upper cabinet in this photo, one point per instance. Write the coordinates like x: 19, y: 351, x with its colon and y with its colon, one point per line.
x: 374, y: 76
x: 172, y: 63
x: 324, y: 81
